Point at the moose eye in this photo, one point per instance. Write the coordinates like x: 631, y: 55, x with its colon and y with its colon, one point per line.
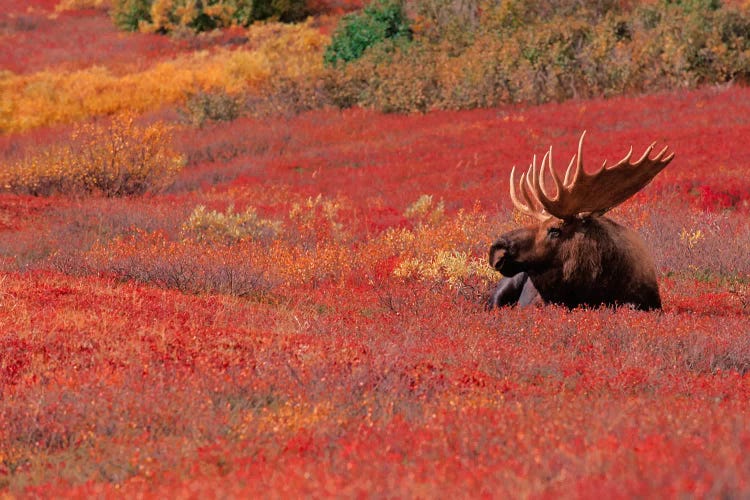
x: 553, y: 232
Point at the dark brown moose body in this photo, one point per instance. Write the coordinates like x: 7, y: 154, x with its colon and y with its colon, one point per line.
x: 583, y: 262
x: 575, y: 256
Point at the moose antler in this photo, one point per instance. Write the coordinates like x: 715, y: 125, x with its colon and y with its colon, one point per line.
x: 532, y: 205
x: 583, y: 193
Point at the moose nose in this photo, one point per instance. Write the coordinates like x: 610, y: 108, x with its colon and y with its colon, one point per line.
x: 504, y: 244
x: 499, y: 251
x: 497, y: 256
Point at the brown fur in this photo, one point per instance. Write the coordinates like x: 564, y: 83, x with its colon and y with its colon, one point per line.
x: 581, y: 261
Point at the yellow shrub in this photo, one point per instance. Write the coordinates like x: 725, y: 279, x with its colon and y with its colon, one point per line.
x: 432, y: 250
x: 454, y: 268
x: 317, y: 219
x: 228, y: 227
x: 121, y: 158
x: 440, y: 248
x: 161, y: 16
x: 280, y: 53
x: 81, y: 4
x: 171, y: 15
x: 691, y: 238
x: 423, y: 211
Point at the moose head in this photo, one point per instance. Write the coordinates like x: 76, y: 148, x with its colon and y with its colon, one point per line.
x: 574, y: 256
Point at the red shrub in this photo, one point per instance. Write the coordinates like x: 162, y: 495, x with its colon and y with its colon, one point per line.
x: 300, y: 364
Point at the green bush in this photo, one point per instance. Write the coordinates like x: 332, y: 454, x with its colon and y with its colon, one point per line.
x: 379, y: 21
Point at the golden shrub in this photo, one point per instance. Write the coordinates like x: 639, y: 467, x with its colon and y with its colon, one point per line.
x: 116, y: 159
x: 317, y: 219
x: 452, y: 267
x: 279, y: 53
x: 65, y: 5
x: 171, y: 15
x: 228, y: 227
x: 196, y: 16
x: 425, y: 211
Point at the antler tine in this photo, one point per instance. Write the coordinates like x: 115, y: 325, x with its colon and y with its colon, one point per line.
x: 643, y: 156
x: 661, y: 153
x: 547, y: 161
x: 532, y: 206
x: 513, y: 197
x: 528, y: 186
x: 578, y: 162
x: 655, y: 158
x: 531, y: 200
x: 530, y: 177
x: 567, y: 180
x: 516, y: 202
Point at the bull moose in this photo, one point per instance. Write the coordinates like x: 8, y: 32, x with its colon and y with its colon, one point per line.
x: 575, y: 256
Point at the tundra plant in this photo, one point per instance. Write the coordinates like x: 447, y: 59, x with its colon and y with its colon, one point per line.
x: 119, y: 158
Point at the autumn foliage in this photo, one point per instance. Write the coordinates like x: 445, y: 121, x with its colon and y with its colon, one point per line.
x: 171, y: 15
x: 286, y: 299
x: 469, y: 54
x: 276, y: 53
x: 115, y: 159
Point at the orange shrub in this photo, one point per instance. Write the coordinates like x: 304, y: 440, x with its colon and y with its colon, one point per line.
x: 278, y: 53
x: 66, y: 5
x: 120, y: 158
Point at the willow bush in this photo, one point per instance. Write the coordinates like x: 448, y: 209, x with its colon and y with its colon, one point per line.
x: 117, y: 158
x: 172, y: 15
x: 477, y: 53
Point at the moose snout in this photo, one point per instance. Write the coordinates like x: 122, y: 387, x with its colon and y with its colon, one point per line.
x: 501, y: 250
